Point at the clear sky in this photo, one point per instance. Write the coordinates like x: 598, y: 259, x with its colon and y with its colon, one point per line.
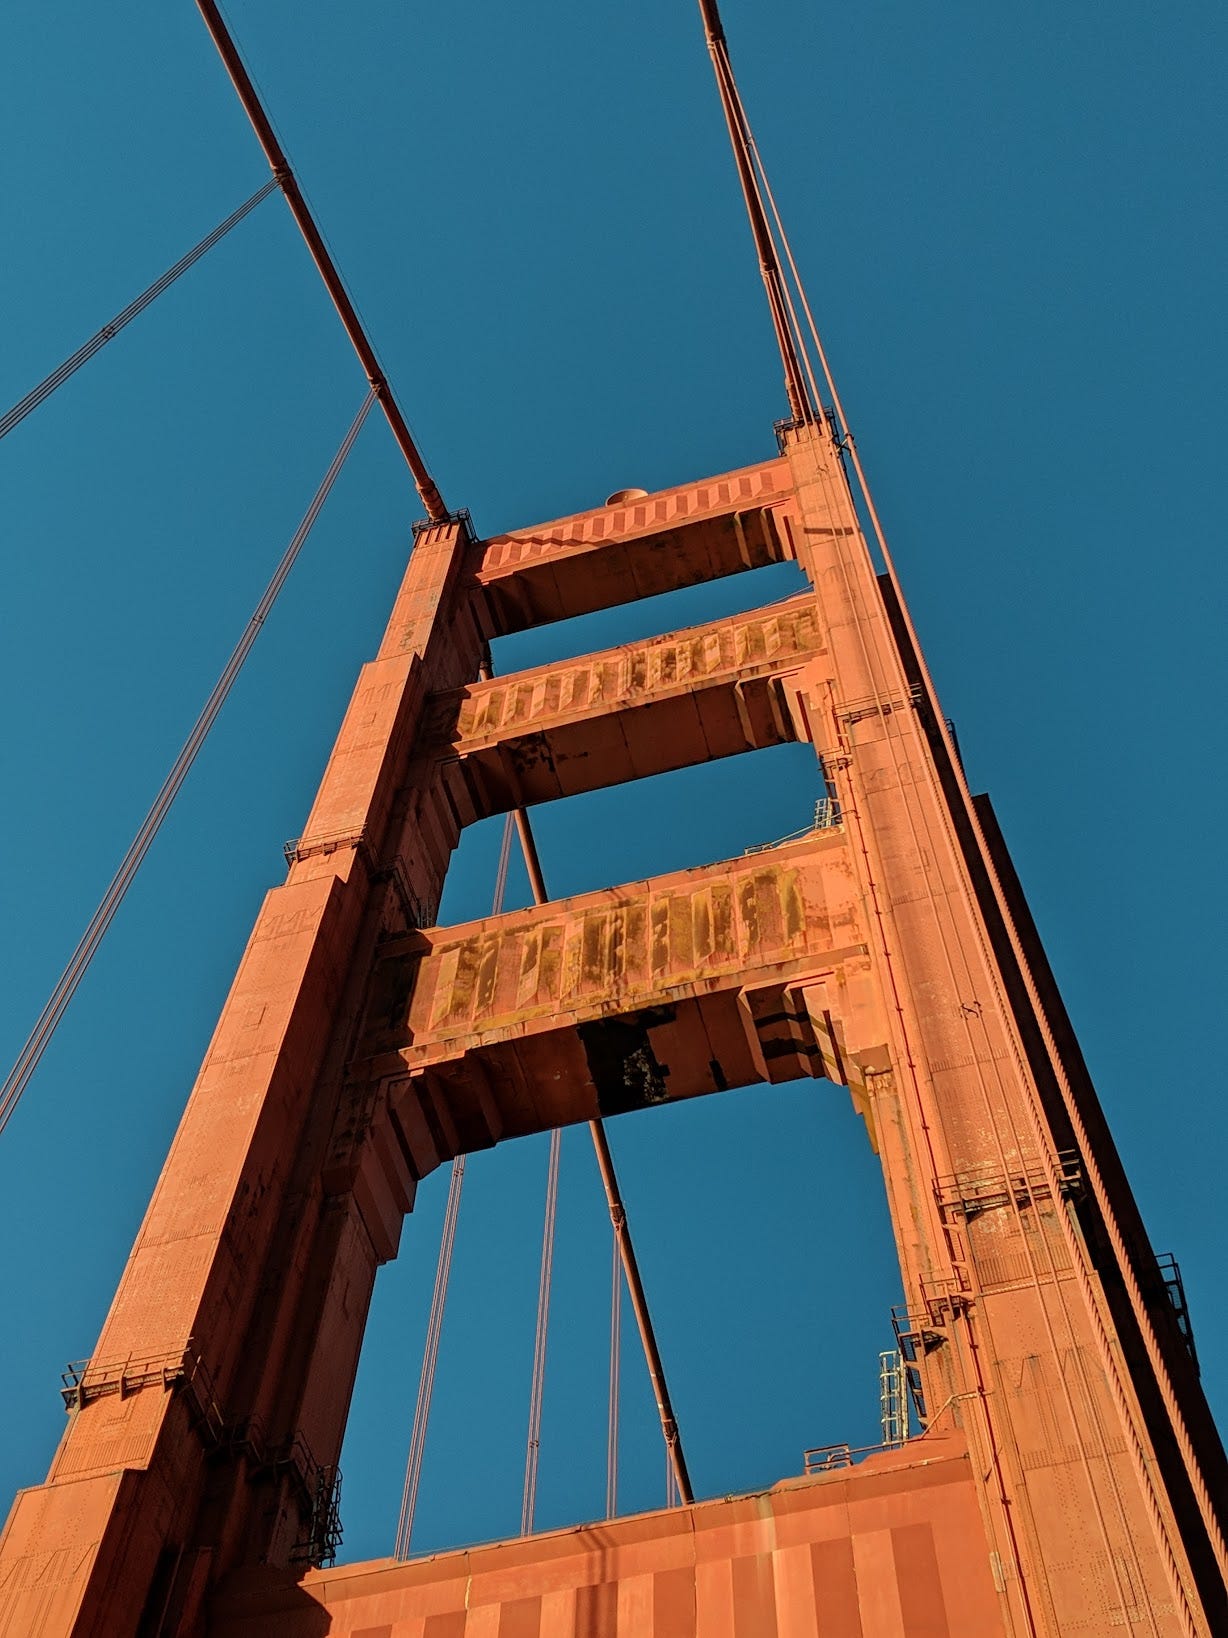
x: 1011, y: 223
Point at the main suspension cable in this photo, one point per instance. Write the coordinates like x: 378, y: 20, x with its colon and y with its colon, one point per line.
x: 28, y: 1059
x: 763, y: 188
x: 800, y: 406
x: 842, y: 429
x: 439, y: 1297
x: 320, y: 255
x: 83, y: 354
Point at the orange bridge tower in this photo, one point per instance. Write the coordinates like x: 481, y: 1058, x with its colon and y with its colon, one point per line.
x: 1066, y: 1478
x: 1067, y: 1474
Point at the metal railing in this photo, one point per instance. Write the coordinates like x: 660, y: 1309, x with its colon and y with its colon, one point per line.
x: 826, y: 817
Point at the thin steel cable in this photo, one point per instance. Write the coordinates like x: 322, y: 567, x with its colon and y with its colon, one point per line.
x: 28, y: 1059
x: 609, y: 1179
x: 505, y: 859
x: 639, y: 1308
x: 763, y: 188
x: 611, y: 1453
x: 430, y: 1359
x: 537, y: 1387
x: 439, y: 1297
x: 83, y: 354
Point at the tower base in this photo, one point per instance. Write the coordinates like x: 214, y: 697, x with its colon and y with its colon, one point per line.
x: 893, y: 1548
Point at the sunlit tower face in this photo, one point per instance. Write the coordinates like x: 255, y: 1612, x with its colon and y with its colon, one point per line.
x: 1061, y: 1472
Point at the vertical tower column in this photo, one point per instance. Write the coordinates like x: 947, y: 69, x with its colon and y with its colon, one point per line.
x: 1017, y: 1339
x: 205, y: 1429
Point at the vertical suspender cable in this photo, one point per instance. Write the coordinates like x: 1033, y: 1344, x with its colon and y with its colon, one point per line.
x: 618, y: 1216
x: 430, y: 1358
x: 97, y: 342
x: 533, y: 1444
x: 639, y: 1307
x: 28, y: 1059
x: 505, y: 859
x: 616, y: 1304
x: 439, y: 1296
x: 626, y: 1250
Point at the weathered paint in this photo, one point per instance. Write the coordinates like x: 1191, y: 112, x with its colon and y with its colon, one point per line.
x: 603, y: 719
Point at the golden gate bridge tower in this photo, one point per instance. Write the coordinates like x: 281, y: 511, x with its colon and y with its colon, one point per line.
x: 1062, y: 1474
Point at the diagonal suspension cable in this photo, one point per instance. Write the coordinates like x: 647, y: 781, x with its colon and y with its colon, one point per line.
x: 325, y: 266
x: 96, y: 343
x: 439, y: 1297
x: 28, y: 1059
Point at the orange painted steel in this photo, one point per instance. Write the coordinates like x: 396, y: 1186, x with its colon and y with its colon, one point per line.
x: 1069, y: 1471
x: 619, y: 553
x: 624, y: 714
x: 867, y: 1552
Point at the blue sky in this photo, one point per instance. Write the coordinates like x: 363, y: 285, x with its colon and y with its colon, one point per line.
x: 1012, y: 230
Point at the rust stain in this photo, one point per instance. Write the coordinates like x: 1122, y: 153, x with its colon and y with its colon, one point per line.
x: 486, y: 710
